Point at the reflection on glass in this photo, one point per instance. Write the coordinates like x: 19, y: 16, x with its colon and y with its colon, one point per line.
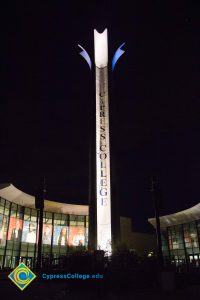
x: 86, y: 237
x: 190, y: 236
x: 76, y: 236
x: 47, y: 233
x: 60, y: 235
x: 194, y: 239
x: 29, y: 232
x: 15, y: 230
x: 62, y: 240
x: 3, y: 229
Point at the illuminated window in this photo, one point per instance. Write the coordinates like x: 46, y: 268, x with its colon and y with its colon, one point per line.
x: 190, y: 235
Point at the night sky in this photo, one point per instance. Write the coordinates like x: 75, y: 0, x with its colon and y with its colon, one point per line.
x: 47, y: 87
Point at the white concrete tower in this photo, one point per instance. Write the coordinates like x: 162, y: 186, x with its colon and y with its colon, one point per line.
x: 103, y: 186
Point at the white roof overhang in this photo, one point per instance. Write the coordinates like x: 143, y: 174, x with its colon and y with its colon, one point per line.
x: 12, y: 194
x: 181, y: 217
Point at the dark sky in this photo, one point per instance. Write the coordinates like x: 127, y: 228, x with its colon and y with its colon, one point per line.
x: 46, y: 89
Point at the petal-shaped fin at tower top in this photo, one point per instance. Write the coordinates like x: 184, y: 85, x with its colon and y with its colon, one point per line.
x: 117, y: 55
x: 85, y: 55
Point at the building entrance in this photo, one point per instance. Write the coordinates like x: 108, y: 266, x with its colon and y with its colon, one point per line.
x: 194, y: 259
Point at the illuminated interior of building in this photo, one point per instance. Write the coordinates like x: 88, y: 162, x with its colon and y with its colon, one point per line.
x: 65, y: 229
x: 65, y: 226
x: 181, y: 237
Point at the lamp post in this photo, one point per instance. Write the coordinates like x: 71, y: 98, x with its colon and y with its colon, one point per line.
x: 155, y: 197
x: 39, y: 205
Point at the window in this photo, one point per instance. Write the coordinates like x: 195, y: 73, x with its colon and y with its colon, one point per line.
x: 2, y: 204
x: 77, y: 220
x: 190, y: 235
x: 175, y: 237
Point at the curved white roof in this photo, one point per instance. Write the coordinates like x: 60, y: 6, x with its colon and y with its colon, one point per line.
x: 181, y: 217
x: 12, y: 194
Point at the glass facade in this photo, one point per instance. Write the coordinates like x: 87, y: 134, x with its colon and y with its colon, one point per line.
x: 19, y: 230
x: 180, y: 244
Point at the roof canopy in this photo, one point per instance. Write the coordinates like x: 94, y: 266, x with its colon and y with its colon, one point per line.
x: 12, y: 194
x: 181, y: 217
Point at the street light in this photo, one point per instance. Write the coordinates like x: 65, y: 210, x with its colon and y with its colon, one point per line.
x: 155, y: 197
x: 39, y: 205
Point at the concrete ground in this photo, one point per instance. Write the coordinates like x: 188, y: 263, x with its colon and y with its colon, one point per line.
x: 61, y: 290
x: 137, y: 288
